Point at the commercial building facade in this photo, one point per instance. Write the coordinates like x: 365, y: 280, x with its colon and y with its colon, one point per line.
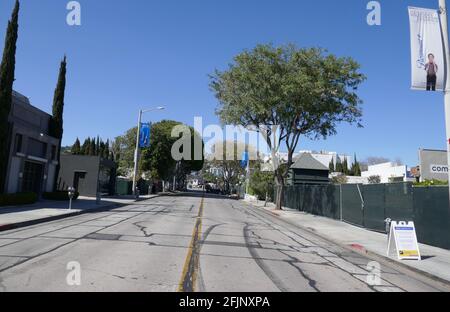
x: 433, y: 165
x: 33, y: 152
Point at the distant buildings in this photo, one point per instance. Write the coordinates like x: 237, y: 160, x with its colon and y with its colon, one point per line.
x: 389, y: 173
x: 32, y: 157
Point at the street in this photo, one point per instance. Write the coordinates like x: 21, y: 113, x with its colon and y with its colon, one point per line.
x: 189, y: 243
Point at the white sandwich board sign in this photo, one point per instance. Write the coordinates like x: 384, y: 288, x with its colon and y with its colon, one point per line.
x: 403, y: 236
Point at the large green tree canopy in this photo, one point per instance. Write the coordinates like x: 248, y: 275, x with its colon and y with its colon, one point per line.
x: 304, y: 91
x: 157, y: 159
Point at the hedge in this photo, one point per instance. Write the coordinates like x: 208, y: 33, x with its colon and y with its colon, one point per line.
x: 59, y: 196
x: 18, y: 199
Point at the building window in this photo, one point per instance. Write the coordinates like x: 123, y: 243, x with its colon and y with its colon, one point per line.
x: 37, y: 148
x: 53, y: 152
x: 18, y: 143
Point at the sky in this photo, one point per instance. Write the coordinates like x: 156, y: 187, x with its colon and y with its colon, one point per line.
x: 134, y: 54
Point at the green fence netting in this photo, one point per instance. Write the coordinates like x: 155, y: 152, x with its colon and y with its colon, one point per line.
x: 369, y: 205
x: 432, y: 216
x: 352, y: 204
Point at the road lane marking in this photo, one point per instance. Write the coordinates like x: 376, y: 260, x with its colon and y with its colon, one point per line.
x: 191, y: 264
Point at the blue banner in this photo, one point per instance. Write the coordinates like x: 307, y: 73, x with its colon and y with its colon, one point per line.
x: 245, y: 159
x: 144, y: 135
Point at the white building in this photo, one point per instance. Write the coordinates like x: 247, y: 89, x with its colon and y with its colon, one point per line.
x: 388, y: 172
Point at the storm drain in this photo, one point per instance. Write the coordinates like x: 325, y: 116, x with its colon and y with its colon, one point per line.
x: 109, y: 237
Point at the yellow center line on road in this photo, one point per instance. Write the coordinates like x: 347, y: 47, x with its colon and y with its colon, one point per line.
x: 191, y: 264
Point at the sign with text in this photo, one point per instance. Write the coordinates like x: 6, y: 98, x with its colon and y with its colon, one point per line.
x: 427, y: 50
x: 439, y: 169
x: 403, y: 236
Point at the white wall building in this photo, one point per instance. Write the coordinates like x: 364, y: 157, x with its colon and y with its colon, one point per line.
x: 388, y: 172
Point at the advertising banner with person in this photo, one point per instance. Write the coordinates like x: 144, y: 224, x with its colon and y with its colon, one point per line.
x: 427, y: 51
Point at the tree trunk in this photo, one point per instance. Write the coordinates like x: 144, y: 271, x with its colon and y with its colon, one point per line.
x: 280, y: 192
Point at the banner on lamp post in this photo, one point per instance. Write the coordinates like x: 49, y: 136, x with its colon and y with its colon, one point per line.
x: 144, y: 135
x: 427, y: 51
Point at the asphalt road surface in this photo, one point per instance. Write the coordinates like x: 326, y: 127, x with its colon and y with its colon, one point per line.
x: 189, y: 243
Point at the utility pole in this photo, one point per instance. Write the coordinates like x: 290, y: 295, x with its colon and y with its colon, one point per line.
x: 444, y: 25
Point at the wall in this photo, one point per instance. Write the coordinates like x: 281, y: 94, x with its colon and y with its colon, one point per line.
x: 433, y: 159
x: 386, y: 171
x: 75, y: 163
x: 32, y: 124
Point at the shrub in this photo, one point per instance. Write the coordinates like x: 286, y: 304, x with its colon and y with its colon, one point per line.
x: 59, y: 196
x: 18, y: 199
x: 340, y: 179
x: 431, y: 183
x: 374, y: 179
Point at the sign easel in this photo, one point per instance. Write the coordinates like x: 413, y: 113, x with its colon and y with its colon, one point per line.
x: 403, y: 236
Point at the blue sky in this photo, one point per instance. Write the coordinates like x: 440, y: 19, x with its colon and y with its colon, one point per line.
x: 145, y: 53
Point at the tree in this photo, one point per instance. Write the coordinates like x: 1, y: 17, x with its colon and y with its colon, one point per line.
x: 339, y: 166
x: 123, y: 149
x: 331, y: 166
x: 345, y: 170
x: 76, y: 148
x: 92, y: 149
x: 85, y: 147
x: 356, y: 168
x: 261, y: 183
x: 56, y: 122
x: 97, y: 147
x: 231, y: 169
x: 303, y: 92
x: 7, y: 73
x: 340, y: 179
x: 158, y: 160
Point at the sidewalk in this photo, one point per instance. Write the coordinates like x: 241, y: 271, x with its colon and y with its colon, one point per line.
x: 435, y: 261
x: 45, y: 211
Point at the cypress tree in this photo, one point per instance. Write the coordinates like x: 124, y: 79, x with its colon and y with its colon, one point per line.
x: 76, y: 148
x: 56, y: 122
x: 85, y: 147
x: 92, y: 148
x: 107, y: 152
x: 339, y: 167
x: 345, y: 167
x: 97, y: 147
x: 356, y: 168
x: 331, y: 166
x: 7, y: 73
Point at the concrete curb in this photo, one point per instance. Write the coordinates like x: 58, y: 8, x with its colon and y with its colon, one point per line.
x: 358, y: 249
x: 13, y: 226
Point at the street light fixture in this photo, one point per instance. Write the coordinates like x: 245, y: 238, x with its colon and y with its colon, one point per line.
x: 137, y: 151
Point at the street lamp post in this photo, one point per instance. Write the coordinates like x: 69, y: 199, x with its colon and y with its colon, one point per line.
x: 137, y: 151
x: 444, y: 25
